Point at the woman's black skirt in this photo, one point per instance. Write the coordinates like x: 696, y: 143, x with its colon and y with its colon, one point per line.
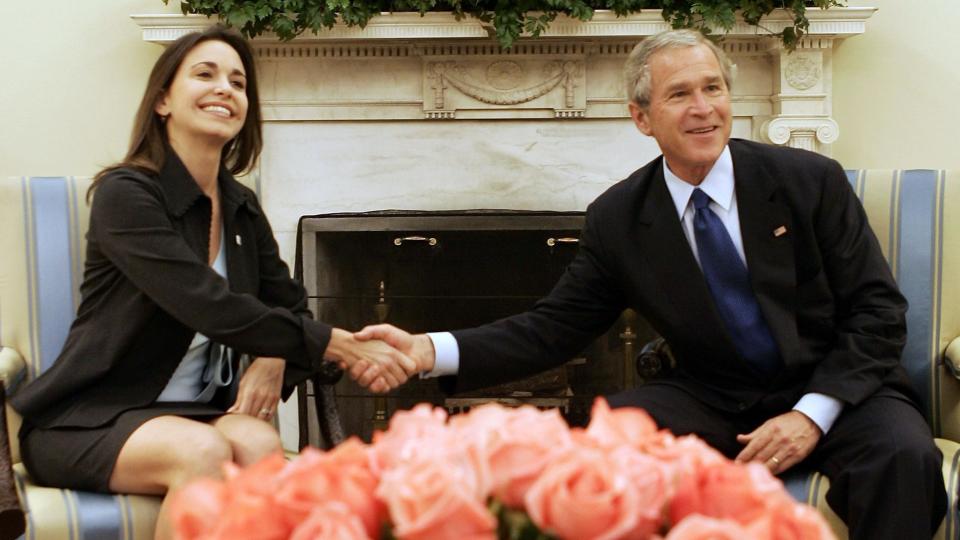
x: 83, y: 458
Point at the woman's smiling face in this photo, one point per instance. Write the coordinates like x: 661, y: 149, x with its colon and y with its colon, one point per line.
x: 207, y: 99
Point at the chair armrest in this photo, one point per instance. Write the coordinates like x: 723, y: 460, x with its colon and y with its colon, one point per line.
x: 12, y: 367
x: 951, y: 357
x: 655, y: 360
x: 12, y: 522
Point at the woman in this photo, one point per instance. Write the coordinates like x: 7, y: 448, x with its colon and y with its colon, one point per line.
x: 182, y: 269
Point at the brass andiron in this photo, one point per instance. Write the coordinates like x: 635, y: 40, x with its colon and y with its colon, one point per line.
x: 381, y: 309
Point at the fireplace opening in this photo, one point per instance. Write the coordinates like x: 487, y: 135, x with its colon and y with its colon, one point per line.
x: 437, y: 271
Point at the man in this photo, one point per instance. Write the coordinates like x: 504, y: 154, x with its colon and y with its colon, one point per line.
x: 757, y: 265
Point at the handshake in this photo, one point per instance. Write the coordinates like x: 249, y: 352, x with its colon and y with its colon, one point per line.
x: 381, y: 357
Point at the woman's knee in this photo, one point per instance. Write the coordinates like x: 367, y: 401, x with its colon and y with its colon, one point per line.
x: 251, y: 439
x: 167, y: 451
x: 204, y: 455
x: 260, y: 441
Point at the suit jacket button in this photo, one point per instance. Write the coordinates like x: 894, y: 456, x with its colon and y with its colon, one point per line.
x: 742, y: 406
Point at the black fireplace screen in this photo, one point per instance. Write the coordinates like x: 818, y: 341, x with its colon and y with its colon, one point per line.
x: 436, y: 271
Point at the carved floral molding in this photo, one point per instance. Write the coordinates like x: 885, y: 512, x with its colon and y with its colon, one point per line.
x: 405, y: 67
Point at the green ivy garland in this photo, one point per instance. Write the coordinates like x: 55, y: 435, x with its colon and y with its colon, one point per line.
x: 507, y: 20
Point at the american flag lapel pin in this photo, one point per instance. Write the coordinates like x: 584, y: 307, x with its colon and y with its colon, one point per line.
x: 780, y: 231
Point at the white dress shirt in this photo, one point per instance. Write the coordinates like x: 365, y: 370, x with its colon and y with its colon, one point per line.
x: 822, y: 409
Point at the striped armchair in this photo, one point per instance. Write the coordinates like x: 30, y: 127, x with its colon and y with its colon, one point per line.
x: 44, y: 223
x: 42, y: 250
x: 907, y: 210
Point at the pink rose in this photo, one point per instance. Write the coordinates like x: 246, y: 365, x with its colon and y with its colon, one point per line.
x: 249, y: 515
x: 357, y: 482
x: 614, y: 427
x: 683, y: 456
x: 342, y: 475
x: 435, y: 499
x: 196, y: 508
x: 304, y: 484
x: 331, y: 521
x: 516, y: 444
x: 582, y: 495
x: 411, y: 434
x: 707, y: 528
x: 249, y: 509
x: 727, y: 490
x: 652, y: 482
x: 234, y: 506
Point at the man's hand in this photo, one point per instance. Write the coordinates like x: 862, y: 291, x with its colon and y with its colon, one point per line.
x: 418, y: 347
x: 259, y: 390
x: 373, y: 364
x: 781, y: 442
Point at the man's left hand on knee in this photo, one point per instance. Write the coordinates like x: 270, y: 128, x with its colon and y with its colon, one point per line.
x: 781, y: 442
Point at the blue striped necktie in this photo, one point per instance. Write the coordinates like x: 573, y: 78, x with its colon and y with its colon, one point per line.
x: 729, y: 284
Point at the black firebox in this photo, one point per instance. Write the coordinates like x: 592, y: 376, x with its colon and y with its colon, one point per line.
x: 436, y: 271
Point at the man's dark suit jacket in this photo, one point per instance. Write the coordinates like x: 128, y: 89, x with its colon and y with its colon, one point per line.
x: 824, y: 287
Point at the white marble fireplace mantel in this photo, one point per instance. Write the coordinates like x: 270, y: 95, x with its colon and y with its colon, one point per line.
x: 402, y: 66
x: 429, y: 113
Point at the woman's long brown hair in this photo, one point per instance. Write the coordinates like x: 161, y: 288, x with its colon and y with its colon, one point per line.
x: 147, y: 149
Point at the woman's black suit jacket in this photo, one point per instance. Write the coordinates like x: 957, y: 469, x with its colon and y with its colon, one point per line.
x: 823, y: 285
x: 148, y: 288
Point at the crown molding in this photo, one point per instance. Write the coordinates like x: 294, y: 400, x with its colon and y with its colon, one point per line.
x: 834, y: 22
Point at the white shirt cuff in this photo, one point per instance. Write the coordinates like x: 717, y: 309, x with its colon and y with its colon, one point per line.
x: 447, y: 355
x: 820, y: 408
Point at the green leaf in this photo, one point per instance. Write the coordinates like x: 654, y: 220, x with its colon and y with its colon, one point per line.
x: 790, y: 38
x: 515, y: 524
x: 507, y: 20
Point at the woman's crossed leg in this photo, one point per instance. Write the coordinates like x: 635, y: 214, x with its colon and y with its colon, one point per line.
x: 166, y: 452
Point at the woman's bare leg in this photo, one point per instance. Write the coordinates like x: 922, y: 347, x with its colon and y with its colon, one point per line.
x: 250, y: 438
x: 165, y: 453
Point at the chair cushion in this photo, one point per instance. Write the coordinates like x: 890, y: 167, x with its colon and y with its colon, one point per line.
x: 55, y: 514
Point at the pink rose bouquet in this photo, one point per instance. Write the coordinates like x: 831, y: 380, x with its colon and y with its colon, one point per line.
x: 497, y: 472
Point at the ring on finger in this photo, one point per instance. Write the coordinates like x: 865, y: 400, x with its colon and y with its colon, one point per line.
x: 775, y: 460
x: 264, y: 412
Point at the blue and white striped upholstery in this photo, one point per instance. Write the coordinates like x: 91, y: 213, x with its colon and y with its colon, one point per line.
x: 908, y: 211
x: 44, y: 223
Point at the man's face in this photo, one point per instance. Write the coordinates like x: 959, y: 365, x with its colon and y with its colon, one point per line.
x: 689, y: 112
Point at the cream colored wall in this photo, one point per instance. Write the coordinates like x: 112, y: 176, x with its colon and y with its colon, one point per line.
x: 66, y: 106
x: 71, y: 76
x: 896, y: 87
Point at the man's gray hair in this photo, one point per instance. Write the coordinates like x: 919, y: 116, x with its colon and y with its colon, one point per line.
x: 636, y: 72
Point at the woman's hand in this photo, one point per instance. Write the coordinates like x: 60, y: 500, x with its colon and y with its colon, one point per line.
x: 259, y: 391
x: 373, y: 364
x: 419, y: 347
